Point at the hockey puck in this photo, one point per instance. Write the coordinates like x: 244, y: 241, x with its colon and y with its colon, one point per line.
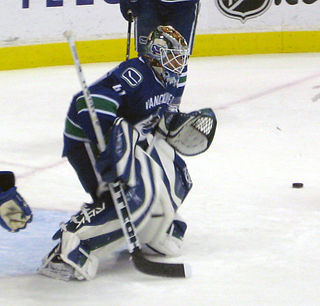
x: 297, y: 185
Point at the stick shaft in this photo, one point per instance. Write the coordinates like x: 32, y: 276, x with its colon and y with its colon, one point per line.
x: 129, y: 35
x: 92, y: 111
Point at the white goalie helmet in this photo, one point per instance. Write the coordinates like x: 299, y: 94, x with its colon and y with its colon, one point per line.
x: 167, y: 52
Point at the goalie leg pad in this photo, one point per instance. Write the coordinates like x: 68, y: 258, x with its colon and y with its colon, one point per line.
x: 176, y: 176
x: 71, y: 259
x: 75, y: 253
x: 165, y: 231
x: 95, y: 230
x: 170, y: 242
x: 53, y: 267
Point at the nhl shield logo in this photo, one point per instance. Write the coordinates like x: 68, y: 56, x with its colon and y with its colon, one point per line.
x: 243, y: 9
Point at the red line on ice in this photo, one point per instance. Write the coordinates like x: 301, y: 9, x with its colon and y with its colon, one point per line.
x: 267, y: 92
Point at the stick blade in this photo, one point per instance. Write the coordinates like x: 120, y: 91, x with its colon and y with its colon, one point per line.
x: 160, y: 268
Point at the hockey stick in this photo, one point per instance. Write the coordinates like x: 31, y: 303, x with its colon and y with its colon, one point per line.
x: 130, y: 19
x: 141, y: 263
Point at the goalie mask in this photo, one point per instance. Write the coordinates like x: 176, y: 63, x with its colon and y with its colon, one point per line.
x: 167, y: 53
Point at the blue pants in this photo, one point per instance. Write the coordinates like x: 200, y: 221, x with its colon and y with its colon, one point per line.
x: 80, y: 160
x: 182, y: 16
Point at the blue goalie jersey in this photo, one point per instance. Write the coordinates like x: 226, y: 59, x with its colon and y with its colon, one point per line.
x: 132, y: 91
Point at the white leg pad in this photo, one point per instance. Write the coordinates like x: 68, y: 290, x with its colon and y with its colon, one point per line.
x: 70, y: 243
x: 156, y: 235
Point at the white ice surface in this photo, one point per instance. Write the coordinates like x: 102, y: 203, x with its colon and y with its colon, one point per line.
x: 251, y: 238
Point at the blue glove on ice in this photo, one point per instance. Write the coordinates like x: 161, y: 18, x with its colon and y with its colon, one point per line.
x: 14, y: 211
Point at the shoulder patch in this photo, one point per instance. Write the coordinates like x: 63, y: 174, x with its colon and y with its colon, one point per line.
x: 132, y: 76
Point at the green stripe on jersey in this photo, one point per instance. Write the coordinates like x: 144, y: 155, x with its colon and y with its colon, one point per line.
x: 183, y: 79
x: 73, y: 130
x: 100, y: 103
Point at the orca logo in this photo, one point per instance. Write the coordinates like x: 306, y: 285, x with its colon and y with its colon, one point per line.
x: 243, y: 9
x: 132, y: 76
x: 156, y: 49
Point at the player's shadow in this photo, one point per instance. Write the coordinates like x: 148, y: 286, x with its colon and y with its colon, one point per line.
x: 115, y: 264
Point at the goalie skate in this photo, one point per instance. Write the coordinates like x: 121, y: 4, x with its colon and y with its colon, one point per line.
x: 53, y: 267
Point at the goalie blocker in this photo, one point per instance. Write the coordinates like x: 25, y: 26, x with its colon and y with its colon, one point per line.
x: 155, y: 184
